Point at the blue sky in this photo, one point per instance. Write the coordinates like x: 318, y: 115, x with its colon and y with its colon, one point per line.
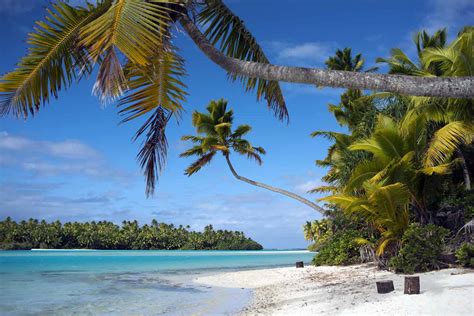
x: 74, y: 161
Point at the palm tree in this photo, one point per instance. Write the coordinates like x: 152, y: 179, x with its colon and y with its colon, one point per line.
x: 129, y: 42
x: 215, y: 135
x: 384, y: 206
x: 403, y: 152
x: 444, y: 115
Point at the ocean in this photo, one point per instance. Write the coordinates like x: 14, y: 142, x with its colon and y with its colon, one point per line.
x: 64, y: 282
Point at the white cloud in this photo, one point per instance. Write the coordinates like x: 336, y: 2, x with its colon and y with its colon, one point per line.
x: 307, y: 186
x: 52, y: 158
x: 302, y: 54
x: 70, y: 149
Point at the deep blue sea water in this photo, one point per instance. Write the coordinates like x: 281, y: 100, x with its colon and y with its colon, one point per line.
x: 126, y: 282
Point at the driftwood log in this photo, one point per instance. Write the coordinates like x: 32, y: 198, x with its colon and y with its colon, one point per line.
x: 299, y: 264
x: 412, y: 285
x: 384, y: 286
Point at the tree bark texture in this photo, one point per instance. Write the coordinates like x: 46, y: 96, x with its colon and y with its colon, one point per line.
x: 412, y: 285
x: 385, y: 286
x: 454, y: 87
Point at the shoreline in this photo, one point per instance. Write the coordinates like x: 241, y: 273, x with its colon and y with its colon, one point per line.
x: 347, y: 290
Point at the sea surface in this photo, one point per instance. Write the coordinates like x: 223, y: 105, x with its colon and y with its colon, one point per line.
x: 65, y: 282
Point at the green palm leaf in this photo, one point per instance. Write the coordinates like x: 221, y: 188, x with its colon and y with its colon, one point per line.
x: 52, y: 62
x: 157, y: 84
x: 446, y: 140
x: 137, y: 28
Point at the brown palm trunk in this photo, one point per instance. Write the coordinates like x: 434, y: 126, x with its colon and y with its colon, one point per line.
x: 455, y: 87
x: 271, y: 188
x: 465, y: 170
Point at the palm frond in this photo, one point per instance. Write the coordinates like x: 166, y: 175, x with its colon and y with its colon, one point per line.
x: 53, y: 59
x: 157, y: 84
x: 446, y: 140
x: 198, y: 164
x: 241, y: 130
x: 228, y: 30
x: 111, y: 82
x: 137, y: 28
x: 193, y: 151
x: 324, y: 189
x: 152, y: 155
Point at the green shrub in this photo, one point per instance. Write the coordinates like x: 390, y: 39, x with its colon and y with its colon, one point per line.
x: 465, y: 255
x: 421, y: 249
x: 340, y: 249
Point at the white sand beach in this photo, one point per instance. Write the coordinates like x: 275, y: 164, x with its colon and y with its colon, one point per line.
x: 349, y: 291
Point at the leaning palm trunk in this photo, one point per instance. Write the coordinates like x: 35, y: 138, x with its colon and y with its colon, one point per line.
x: 459, y: 87
x: 465, y: 170
x: 271, y: 188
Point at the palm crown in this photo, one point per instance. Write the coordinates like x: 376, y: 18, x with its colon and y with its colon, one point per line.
x: 216, y: 135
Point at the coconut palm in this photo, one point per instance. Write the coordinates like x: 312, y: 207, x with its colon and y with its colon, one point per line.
x: 129, y: 43
x: 215, y: 135
x: 402, y: 152
x: 441, y: 116
x: 384, y: 206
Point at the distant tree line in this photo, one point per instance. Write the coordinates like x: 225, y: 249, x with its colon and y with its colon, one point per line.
x: 109, y: 236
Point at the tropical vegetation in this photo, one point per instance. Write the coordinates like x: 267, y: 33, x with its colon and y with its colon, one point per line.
x: 129, y: 44
x: 405, y: 165
x: 215, y: 135
x: 109, y: 236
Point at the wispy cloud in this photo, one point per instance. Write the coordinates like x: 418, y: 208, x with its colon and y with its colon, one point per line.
x: 301, y: 54
x: 70, y: 149
x: 452, y: 14
x: 52, y: 158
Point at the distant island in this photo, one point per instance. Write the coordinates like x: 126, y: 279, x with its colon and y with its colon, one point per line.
x: 106, y: 235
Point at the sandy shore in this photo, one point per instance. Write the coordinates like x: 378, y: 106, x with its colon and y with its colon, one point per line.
x: 349, y: 291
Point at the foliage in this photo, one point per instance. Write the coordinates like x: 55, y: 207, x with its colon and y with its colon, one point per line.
x: 128, y: 44
x: 215, y: 135
x: 404, y: 159
x: 385, y: 207
x: 340, y: 249
x: 106, y: 235
x: 465, y: 255
x: 421, y: 249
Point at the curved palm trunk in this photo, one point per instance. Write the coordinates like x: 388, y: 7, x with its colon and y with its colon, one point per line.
x: 277, y: 190
x: 465, y: 171
x: 455, y: 87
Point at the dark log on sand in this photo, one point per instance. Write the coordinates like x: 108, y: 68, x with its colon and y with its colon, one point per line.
x: 299, y: 264
x: 384, y: 286
x: 412, y: 285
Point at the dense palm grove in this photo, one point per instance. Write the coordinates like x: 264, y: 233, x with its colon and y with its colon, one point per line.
x: 398, y: 184
x: 107, y: 235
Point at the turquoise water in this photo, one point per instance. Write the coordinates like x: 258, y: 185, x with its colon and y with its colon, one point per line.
x: 126, y: 282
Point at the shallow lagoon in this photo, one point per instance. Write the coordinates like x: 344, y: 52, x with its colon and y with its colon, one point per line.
x: 126, y: 282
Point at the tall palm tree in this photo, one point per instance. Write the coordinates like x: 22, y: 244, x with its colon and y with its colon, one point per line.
x: 129, y: 42
x: 215, y: 135
x: 443, y: 115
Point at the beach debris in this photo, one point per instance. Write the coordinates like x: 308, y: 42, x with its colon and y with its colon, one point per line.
x: 299, y: 264
x: 412, y: 285
x: 384, y: 286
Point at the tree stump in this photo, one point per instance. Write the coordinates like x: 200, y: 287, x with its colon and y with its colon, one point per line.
x: 299, y: 264
x: 412, y: 285
x: 384, y: 286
